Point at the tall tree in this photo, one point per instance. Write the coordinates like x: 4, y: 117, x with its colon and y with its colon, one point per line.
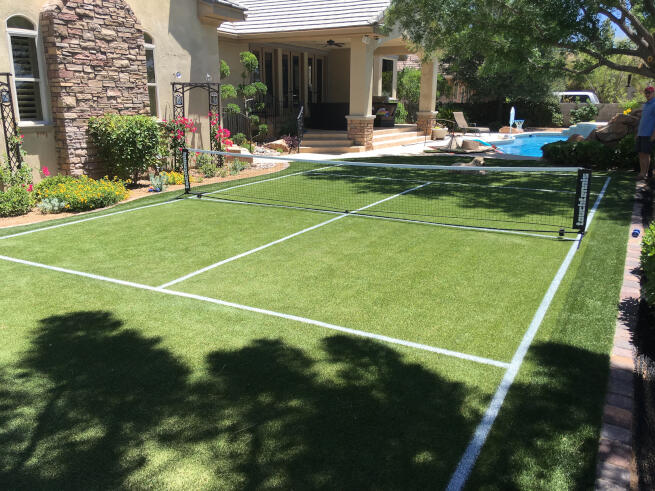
x: 518, y: 31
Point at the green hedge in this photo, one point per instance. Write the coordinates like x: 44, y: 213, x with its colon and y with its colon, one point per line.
x: 593, y: 154
x: 127, y: 144
x: 648, y: 263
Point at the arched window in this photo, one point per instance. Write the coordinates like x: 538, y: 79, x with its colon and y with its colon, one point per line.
x: 152, y: 80
x: 26, y: 68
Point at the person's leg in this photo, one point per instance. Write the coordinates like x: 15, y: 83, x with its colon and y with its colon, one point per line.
x: 644, y: 164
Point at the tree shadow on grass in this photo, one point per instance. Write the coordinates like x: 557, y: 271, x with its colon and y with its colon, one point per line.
x: 546, y: 435
x: 95, y: 405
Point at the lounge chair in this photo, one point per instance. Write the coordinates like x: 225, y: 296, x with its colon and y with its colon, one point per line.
x: 463, y: 125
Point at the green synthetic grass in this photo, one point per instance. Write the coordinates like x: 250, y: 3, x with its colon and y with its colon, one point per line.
x: 104, y: 385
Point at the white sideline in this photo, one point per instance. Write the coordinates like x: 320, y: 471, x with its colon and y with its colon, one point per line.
x: 257, y: 249
x: 87, y: 219
x: 466, y: 463
x: 304, y: 320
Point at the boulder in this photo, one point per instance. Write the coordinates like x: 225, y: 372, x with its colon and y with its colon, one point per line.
x: 278, y: 145
x: 575, y: 138
x: 617, y: 128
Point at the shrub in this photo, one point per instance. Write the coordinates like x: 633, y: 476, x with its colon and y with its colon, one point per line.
x: 51, y: 205
x: 15, y: 201
x: 81, y: 193
x: 208, y: 168
x: 648, y: 263
x: 20, y: 176
x: 586, y: 112
x: 592, y: 154
x: 293, y: 142
x: 625, y: 156
x: 174, y: 177
x: 239, y: 139
x: 127, y: 144
x: 237, y: 166
x: 401, y: 113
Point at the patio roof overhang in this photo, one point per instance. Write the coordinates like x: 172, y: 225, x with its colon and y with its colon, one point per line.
x: 215, y: 12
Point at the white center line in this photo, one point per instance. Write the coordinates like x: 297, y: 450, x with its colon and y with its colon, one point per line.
x: 278, y: 241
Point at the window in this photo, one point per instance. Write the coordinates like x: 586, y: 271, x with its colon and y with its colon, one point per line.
x: 26, y: 65
x: 150, y: 69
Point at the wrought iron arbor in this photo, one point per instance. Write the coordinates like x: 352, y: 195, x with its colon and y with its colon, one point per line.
x: 9, y: 126
x: 213, y: 90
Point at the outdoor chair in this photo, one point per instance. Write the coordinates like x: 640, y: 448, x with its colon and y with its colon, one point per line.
x: 463, y: 125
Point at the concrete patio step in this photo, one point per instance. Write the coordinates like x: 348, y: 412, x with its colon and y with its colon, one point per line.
x: 406, y: 140
x: 331, y: 150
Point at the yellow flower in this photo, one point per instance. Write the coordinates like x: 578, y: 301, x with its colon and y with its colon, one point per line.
x: 627, y: 111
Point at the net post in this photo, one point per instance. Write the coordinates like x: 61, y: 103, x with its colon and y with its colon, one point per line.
x: 581, y: 205
x: 185, y: 169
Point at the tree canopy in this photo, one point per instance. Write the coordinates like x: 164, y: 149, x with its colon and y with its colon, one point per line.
x: 537, y: 34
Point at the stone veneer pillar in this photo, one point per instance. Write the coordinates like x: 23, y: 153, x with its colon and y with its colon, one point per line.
x: 425, y: 121
x: 360, y: 130
x: 95, y: 57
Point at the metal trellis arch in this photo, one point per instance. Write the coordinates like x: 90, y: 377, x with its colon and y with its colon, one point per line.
x: 9, y: 126
x: 213, y: 90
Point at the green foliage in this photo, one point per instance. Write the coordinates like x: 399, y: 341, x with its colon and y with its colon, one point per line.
x: 237, y: 166
x: 248, y: 61
x: 585, y: 112
x: 15, y: 201
x: 127, y: 144
x: 81, y: 193
x: 158, y: 181
x: 51, y: 205
x: 224, y: 70
x: 20, y: 176
x: 632, y: 105
x: 228, y: 91
x: 401, y: 113
x: 648, y: 263
x: 232, y: 108
x: 206, y: 165
x: 529, y: 38
x: 409, y: 84
x: 173, y: 178
x: 239, y: 139
x: 592, y: 154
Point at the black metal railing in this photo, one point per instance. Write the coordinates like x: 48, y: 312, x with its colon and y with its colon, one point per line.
x: 279, y: 120
x: 300, y: 125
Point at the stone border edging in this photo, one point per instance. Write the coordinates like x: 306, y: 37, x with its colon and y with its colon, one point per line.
x: 615, y: 462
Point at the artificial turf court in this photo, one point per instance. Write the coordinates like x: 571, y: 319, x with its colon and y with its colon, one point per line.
x: 196, y: 343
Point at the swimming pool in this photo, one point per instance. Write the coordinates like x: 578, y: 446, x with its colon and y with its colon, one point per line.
x: 529, y: 145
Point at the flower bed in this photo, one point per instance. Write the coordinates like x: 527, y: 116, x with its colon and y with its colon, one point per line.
x: 68, y: 193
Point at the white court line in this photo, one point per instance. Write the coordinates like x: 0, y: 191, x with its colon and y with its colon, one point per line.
x: 87, y: 219
x: 283, y: 239
x: 466, y: 463
x: 304, y: 320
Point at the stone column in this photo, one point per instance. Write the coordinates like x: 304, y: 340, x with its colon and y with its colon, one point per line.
x: 95, y: 56
x: 426, y: 116
x: 360, y: 120
x: 394, y: 79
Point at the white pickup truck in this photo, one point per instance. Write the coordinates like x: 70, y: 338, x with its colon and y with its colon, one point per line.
x: 577, y: 97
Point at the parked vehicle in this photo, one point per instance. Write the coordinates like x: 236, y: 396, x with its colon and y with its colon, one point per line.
x: 576, y: 97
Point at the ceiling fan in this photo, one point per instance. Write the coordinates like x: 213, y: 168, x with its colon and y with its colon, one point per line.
x: 331, y: 43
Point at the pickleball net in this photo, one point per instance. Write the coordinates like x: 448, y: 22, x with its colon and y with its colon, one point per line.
x: 536, y: 200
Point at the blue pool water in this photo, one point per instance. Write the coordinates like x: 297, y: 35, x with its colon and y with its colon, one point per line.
x: 530, y: 145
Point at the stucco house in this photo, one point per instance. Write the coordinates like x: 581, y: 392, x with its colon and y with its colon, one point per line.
x: 69, y: 60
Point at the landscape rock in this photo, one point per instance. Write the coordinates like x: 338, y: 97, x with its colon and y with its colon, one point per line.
x: 506, y: 129
x: 575, y: 137
x: 617, y: 128
x: 278, y: 145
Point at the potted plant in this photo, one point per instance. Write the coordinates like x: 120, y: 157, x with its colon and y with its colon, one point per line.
x: 439, y: 132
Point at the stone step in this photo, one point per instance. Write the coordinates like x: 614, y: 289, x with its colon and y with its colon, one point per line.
x: 384, y: 137
x: 402, y: 128
x: 332, y: 150
x: 399, y: 141
x: 325, y: 135
x: 312, y: 142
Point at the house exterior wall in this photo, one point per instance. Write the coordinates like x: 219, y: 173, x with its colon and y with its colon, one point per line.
x: 72, y: 90
x: 338, y: 78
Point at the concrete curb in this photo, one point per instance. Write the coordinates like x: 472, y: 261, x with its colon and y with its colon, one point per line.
x: 615, y: 465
